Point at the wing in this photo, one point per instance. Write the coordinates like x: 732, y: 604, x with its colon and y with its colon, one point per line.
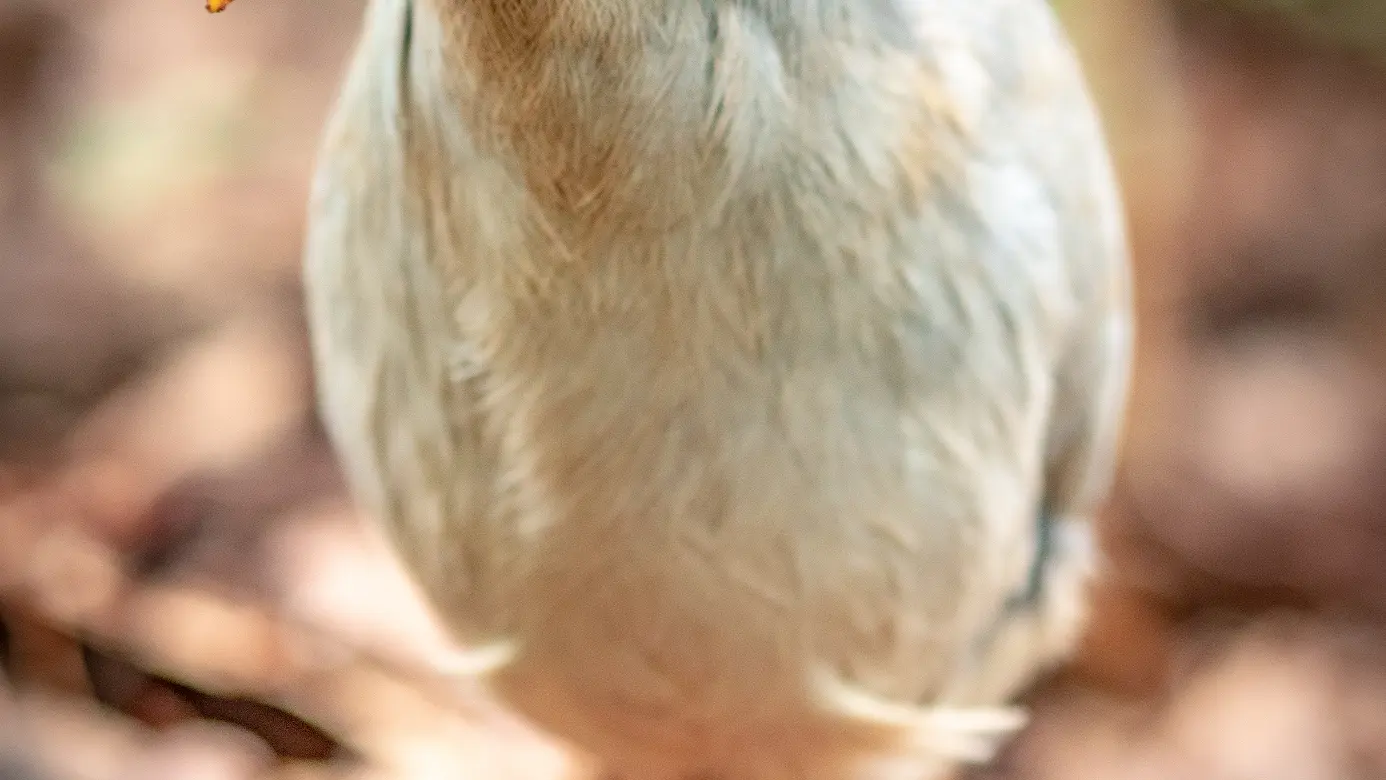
x: 1061, y: 144
x: 399, y: 394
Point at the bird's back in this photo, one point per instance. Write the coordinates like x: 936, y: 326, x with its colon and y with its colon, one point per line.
x: 698, y: 387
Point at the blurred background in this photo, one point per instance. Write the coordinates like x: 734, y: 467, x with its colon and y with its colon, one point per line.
x: 185, y: 593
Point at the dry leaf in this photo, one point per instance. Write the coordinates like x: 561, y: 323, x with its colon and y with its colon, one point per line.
x: 217, y: 6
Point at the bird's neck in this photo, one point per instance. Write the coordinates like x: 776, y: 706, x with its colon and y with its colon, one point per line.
x: 538, y: 29
x: 630, y: 116
x: 624, y: 113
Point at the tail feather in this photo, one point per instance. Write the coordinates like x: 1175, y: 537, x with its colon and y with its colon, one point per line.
x: 960, y: 734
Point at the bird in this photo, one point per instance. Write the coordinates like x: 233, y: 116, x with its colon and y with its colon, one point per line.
x: 737, y: 379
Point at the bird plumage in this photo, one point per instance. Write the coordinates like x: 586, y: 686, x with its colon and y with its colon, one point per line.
x: 709, y: 364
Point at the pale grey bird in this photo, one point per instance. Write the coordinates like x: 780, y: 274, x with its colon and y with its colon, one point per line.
x: 738, y: 378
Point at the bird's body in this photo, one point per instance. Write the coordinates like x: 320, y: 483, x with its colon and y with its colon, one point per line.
x: 713, y: 361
